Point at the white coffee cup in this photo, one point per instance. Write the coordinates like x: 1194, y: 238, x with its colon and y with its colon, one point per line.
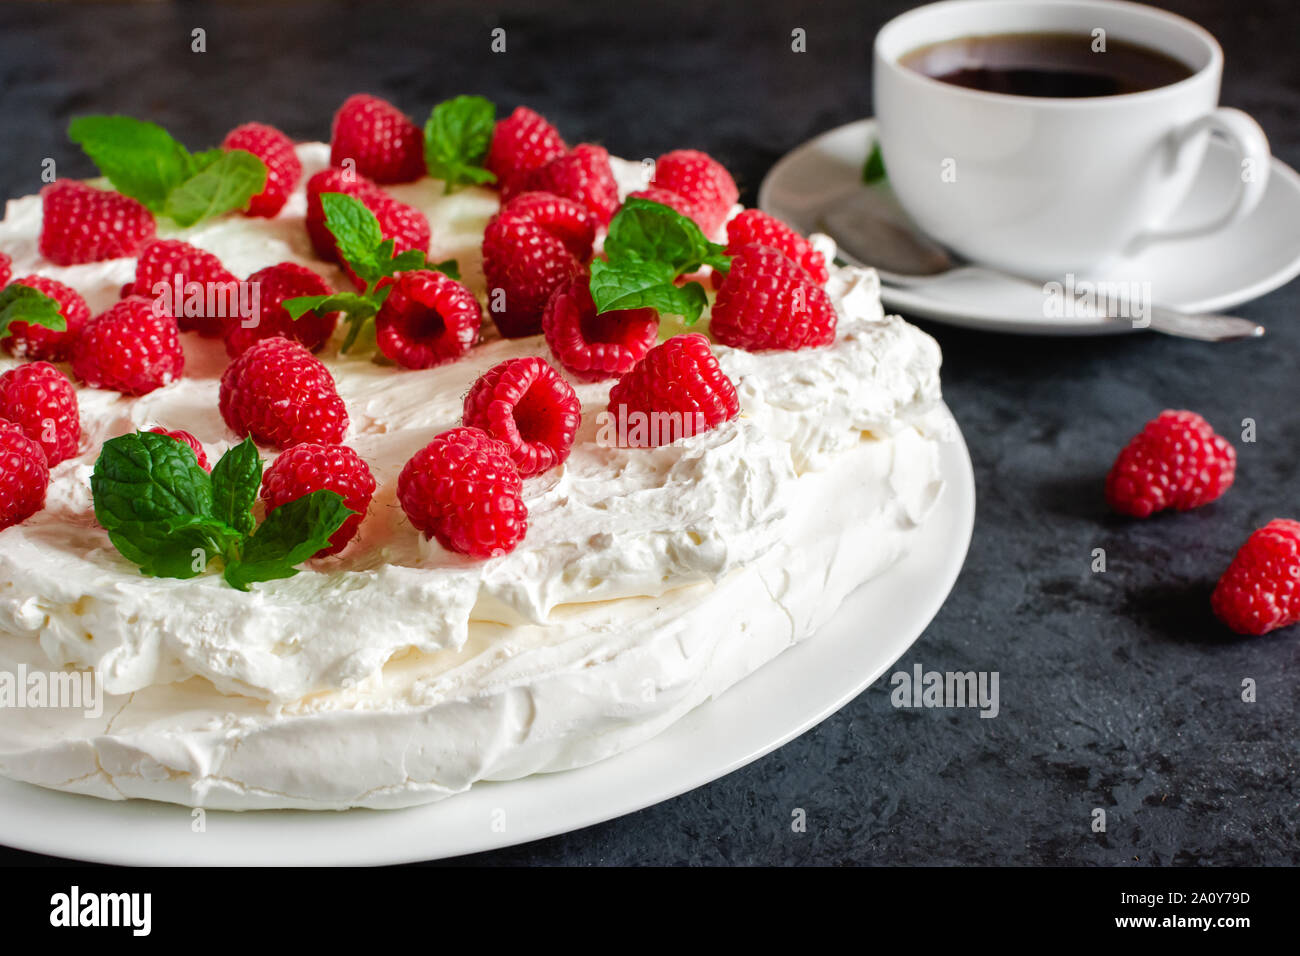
x: 1039, y: 185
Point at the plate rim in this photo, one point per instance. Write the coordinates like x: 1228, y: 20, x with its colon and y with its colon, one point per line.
x: 914, y: 302
x: 102, y: 830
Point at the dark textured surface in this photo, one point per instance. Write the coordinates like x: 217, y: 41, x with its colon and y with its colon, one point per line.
x: 1118, y: 690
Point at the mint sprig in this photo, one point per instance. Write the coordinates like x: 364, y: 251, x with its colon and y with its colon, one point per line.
x: 361, y: 240
x: 457, y: 136
x: 648, y: 248
x: 362, y: 246
x: 873, y: 170
x: 167, y: 515
x: 142, y: 160
x: 20, y: 303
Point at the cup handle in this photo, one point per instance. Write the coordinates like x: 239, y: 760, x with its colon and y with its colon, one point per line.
x: 1251, y: 144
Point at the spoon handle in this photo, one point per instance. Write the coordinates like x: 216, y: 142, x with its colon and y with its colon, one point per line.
x: 1207, y: 328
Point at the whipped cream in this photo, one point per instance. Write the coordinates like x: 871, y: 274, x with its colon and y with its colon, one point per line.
x: 397, y: 672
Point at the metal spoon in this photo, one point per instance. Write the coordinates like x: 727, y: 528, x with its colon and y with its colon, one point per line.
x: 903, y: 258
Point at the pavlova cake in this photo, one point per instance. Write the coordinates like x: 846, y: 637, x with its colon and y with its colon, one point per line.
x: 352, y: 474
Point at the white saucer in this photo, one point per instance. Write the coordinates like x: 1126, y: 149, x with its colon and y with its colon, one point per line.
x: 1208, y: 274
x: 803, y: 686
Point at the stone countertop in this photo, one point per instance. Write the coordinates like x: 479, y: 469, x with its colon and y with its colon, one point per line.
x: 1118, y: 690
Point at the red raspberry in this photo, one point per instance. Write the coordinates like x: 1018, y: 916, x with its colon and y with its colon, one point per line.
x: 428, y: 319
x: 592, y: 347
x: 1176, y: 461
x: 405, y: 225
x: 523, y: 264
x: 283, y: 168
x: 382, y: 140
x: 565, y: 219
x: 183, y: 436
x: 82, y: 224
x: 463, y: 489
x: 702, y: 180
x: 670, y: 199
x: 583, y: 175
x: 768, y: 302
x: 315, y: 467
x: 129, y: 349
x: 1260, y: 591
x: 282, y: 395
x: 6, y: 269
x: 520, y: 143
x: 36, y: 341
x: 526, y: 404
x: 755, y: 226
x: 680, y: 377
x: 24, y: 476
x: 274, y: 284
x: 40, y: 400
x: 163, y: 259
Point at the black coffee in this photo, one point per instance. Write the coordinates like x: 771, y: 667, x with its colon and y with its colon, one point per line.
x: 1047, y: 64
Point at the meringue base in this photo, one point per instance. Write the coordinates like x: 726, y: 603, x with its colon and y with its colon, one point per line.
x: 594, y: 680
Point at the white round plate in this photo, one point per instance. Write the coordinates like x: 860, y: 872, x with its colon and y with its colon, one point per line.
x: 1208, y: 274
x: 797, y: 690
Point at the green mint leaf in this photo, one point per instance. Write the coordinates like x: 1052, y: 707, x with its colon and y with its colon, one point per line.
x: 456, y: 140
x: 146, y: 477
x: 222, y: 184
x: 140, y: 159
x: 350, y: 302
x: 300, y: 305
x: 290, y: 535
x: 652, y: 232
x: 236, y: 479
x: 390, y: 265
x: 179, y: 547
x: 406, y: 261
x: 19, y: 303
x: 357, y: 231
x: 632, y: 284
x: 461, y: 175
x: 448, y: 267
x: 201, y: 161
x: 873, y: 170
